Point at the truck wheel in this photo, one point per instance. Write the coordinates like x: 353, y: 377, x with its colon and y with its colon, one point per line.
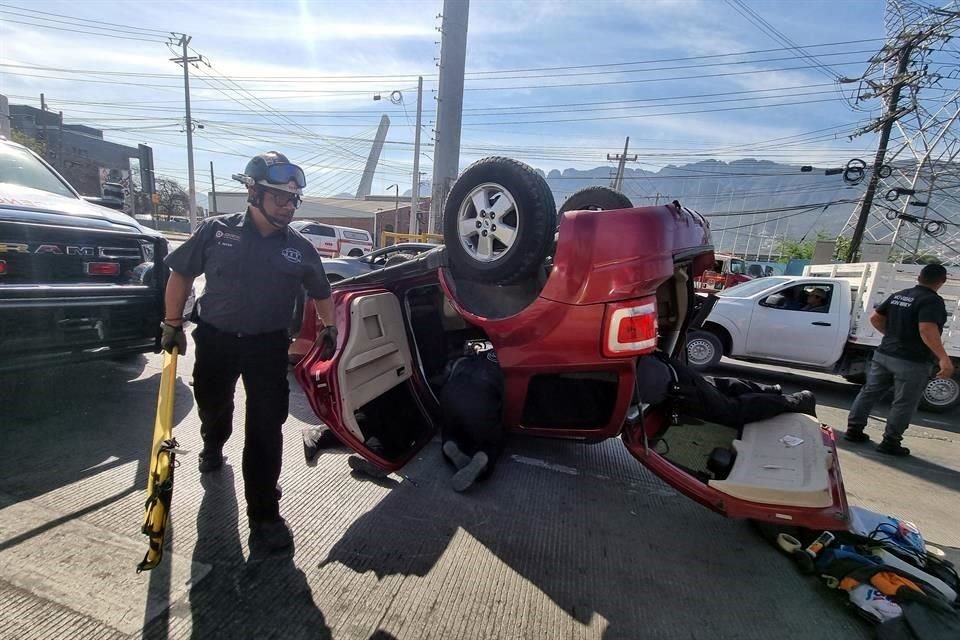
x: 596, y: 198
x: 498, y: 221
x: 704, y: 350
x: 941, y: 395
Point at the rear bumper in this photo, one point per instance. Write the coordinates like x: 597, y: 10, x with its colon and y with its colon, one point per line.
x: 40, y: 326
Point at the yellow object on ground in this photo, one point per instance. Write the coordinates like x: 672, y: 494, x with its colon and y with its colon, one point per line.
x: 162, y: 463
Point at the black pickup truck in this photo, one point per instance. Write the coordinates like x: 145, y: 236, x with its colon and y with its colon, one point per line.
x: 77, y: 280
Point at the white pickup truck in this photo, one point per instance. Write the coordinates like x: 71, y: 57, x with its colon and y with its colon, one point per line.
x: 771, y: 320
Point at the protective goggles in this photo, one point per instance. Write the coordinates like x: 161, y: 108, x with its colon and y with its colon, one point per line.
x: 285, y: 173
x: 283, y: 197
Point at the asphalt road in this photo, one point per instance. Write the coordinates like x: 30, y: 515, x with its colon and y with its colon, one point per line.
x: 564, y: 541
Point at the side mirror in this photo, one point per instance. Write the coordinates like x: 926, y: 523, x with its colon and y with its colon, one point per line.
x: 110, y: 203
x: 775, y: 300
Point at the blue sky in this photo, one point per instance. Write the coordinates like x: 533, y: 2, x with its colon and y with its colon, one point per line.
x: 295, y: 83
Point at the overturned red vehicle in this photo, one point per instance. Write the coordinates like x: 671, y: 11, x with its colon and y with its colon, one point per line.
x: 567, y: 313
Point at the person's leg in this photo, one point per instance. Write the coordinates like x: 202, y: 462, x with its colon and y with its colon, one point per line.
x: 753, y: 407
x: 733, y: 387
x: 909, y: 381
x: 879, y: 381
x: 215, y: 373
x: 265, y: 380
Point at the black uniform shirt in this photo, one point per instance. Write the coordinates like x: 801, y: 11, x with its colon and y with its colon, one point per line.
x: 252, y: 281
x: 905, y: 310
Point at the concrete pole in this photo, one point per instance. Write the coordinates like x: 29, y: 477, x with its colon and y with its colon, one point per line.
x: 5, y: 124
x: 414, y: 223
x: 453, y: 59
x: 191, y: 178
x: 213, y: 191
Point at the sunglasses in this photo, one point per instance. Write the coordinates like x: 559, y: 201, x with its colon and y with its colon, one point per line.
x: 283, y: 173
x: 282, y: 198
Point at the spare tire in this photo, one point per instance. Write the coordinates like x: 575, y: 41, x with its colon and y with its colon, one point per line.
x: 596, y: 198
x: 498, y: 221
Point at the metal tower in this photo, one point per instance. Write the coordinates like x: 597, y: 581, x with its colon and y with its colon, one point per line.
x: 917, y: 204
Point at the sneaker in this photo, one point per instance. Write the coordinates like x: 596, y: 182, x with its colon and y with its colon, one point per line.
x: 893, y: 448
x: 364, y: 466
x: 856, y: 435
x: 804, y: 402
x: 274, y: 535
x: 453, y: 453
x: 211, y: 459
x: 464, y: 479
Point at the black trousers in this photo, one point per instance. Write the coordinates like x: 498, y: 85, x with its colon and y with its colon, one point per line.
x: 729, y: 401
x: 261, y: 360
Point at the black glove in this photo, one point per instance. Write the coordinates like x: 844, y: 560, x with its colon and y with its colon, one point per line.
x: 173, y: 337
x: 328, y: 342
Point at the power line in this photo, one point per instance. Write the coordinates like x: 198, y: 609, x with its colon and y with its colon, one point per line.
x: 109, y: 24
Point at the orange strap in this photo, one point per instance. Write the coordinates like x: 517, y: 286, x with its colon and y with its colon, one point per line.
x: 888, y: 583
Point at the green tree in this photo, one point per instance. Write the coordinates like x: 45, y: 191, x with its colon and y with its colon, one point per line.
x: 39, y: 147
x: 173, y: 198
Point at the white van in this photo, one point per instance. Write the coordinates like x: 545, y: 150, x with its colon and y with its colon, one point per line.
x: 333, y: 241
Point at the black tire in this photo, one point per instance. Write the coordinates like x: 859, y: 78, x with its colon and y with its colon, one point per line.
x: 704, y: 350
x: 535, y: 219
x: 596, y: 198
x: 941, y: 396
x: 355, y: 253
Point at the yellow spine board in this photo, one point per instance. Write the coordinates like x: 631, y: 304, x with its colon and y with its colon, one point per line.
x: 162, y: 454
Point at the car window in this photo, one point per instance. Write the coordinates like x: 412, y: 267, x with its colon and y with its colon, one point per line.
x: 19, y: 166
x: 322, y: 230
x: 750, y: 287
x: 737, y: 266
x: 355, y: 235
x: 808, y: 296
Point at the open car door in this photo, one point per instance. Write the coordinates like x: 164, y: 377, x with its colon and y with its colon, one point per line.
x: 365, y: 393
x: 783, y: 470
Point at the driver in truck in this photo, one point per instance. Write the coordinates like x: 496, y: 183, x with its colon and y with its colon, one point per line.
x: 730, y: 402
x: 911, y: 322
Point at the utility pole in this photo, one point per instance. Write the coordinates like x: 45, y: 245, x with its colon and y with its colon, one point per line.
x: 890, y: 119
x: 43, y: 128
x: 414, y: 226
x: 213, y: 191
x: 453, y: 59
x: 396, y: 208
x: 60, y: 163
x: 186, y: 60
x: 622, y: 158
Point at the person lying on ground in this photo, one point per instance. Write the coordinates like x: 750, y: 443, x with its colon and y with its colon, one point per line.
x: 730, y: 402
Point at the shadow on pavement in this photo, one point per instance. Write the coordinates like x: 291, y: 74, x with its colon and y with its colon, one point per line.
x: 627, y: 559
x: 914, y: 465
x: 66, y: 424
x: 259, y: 597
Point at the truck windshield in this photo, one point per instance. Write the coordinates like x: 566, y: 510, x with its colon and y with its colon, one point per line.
x: 745, y: 289
x: 18, y: 166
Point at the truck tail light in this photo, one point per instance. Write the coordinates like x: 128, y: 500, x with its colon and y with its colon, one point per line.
x: 3, y: 267
x: 631, y: 328
x: 101, y: 268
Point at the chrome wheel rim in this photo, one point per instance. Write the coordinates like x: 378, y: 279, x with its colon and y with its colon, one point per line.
x: 488, y: 222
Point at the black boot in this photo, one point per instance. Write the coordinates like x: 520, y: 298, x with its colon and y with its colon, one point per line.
x: 803, y: 402
x: 856, y: 434
x: 211, y: 459
x: 274, y: 535
x: 893, y: 448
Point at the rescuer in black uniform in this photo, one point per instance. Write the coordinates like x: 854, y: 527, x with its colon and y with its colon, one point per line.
x: 255, y: 266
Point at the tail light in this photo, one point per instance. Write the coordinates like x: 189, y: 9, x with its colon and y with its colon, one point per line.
x: 101, y: 268
x: 3, y: 267
x: 630, y: 328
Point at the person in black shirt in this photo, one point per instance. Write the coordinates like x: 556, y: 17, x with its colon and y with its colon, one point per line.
x: 911, y: 322
x: 255, y: 266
